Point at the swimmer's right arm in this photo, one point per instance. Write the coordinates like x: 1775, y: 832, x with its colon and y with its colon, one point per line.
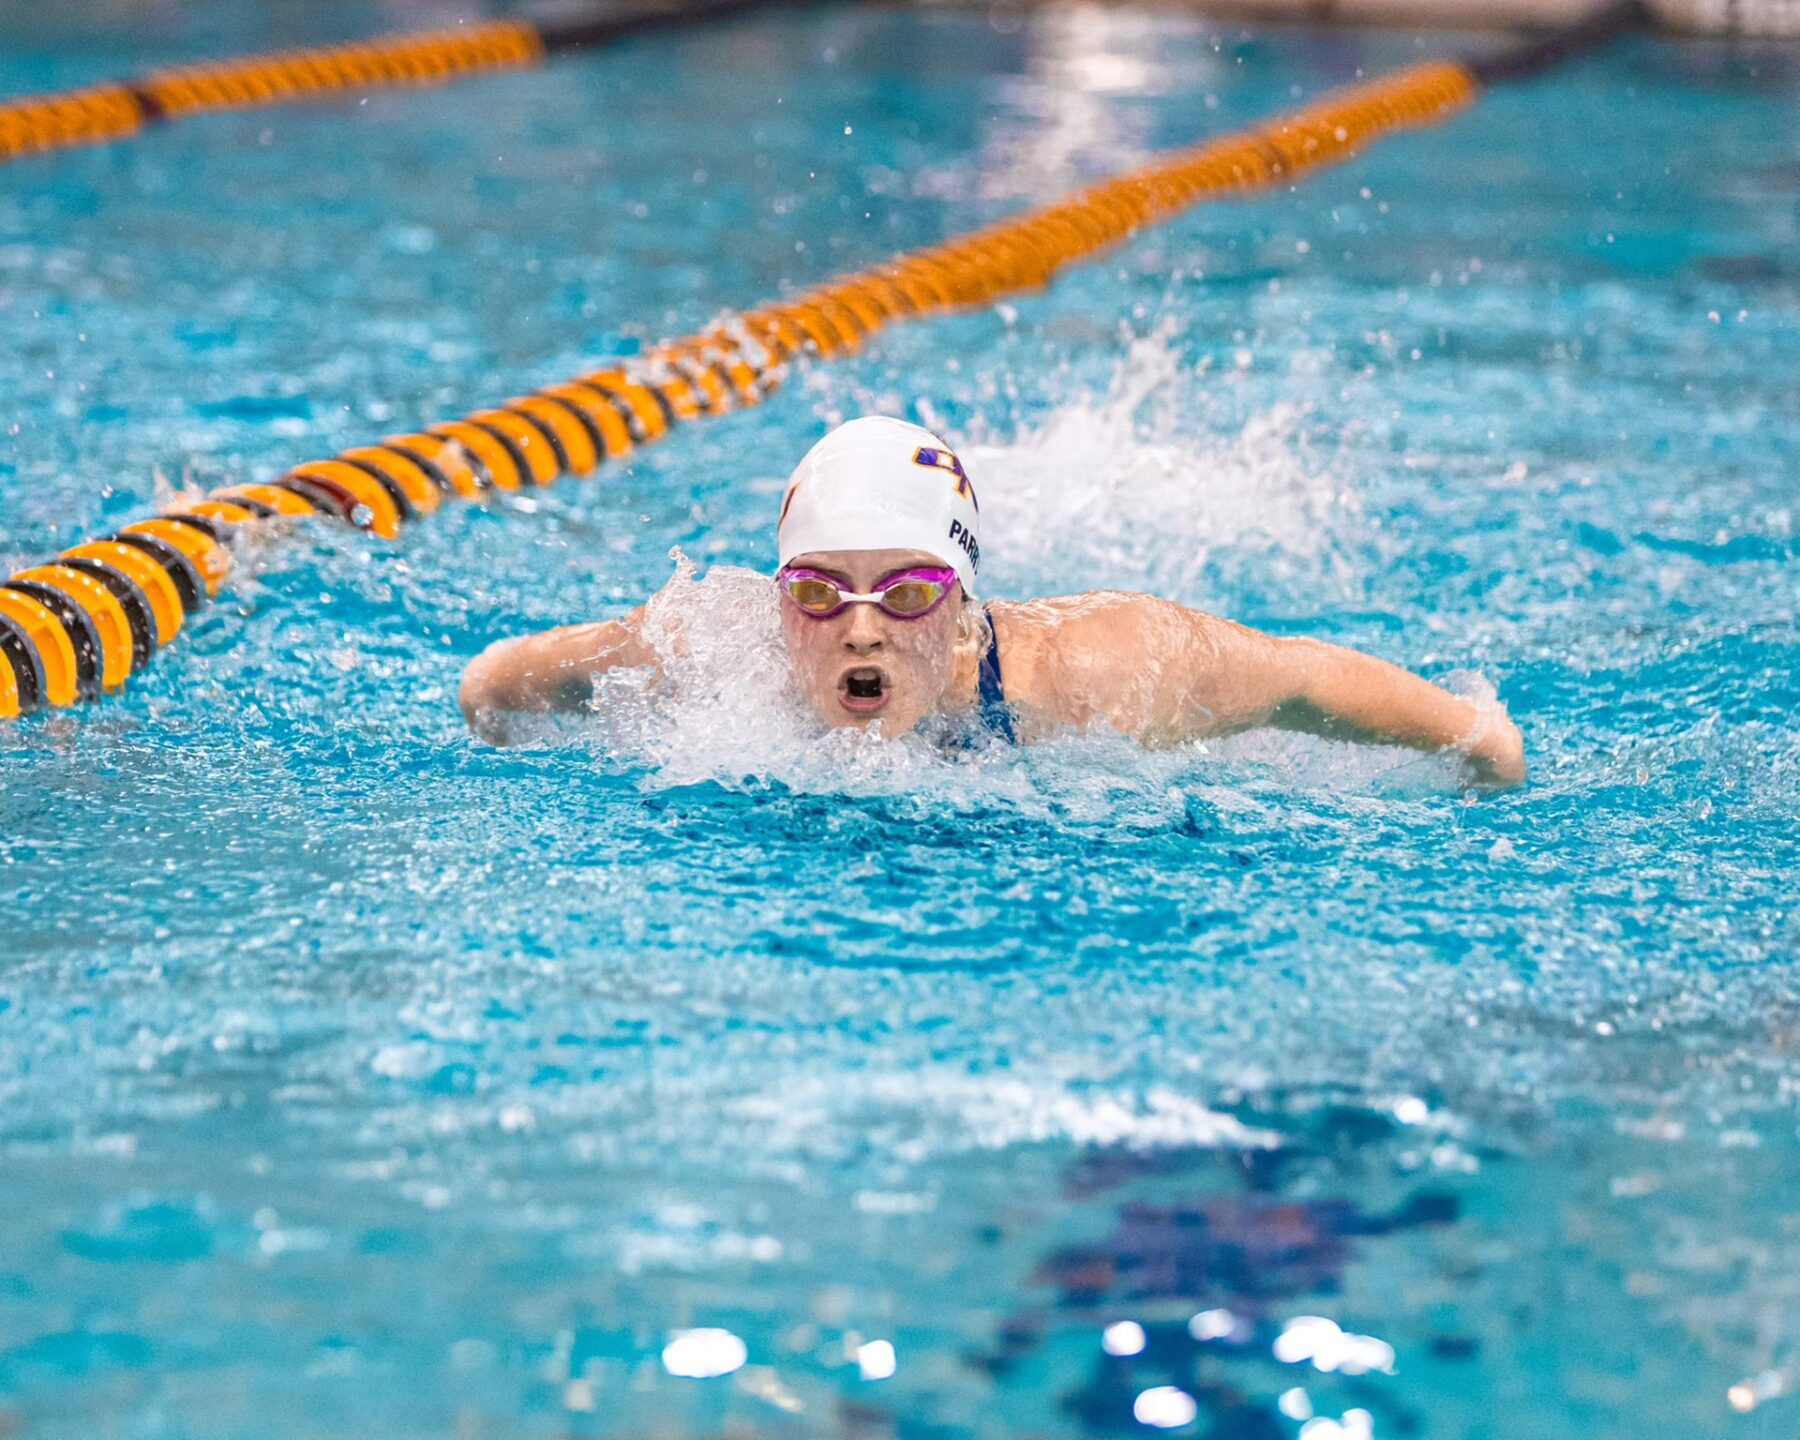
x: 548, y: 673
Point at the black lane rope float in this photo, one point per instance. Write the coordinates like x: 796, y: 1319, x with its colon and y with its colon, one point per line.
x: 79, y: 625
x: 102, y: 113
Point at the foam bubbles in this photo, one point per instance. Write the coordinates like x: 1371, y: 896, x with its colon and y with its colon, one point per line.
x: 1125, y: 490
x: 723, y: 707
x: 1129, y: 488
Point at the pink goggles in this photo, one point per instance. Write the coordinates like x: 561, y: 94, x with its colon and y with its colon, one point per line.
x: 906, y: 594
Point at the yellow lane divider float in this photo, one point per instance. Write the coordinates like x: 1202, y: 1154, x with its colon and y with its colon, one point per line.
x: 111, y: 112
x: 78, y: 626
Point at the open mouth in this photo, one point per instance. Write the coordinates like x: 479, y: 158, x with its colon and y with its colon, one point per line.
x: 864, y: 690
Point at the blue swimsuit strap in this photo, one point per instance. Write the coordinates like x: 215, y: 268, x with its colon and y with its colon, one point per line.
x: 996, y: 714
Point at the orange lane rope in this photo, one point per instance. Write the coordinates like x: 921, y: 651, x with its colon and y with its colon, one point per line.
x: 79, y: 625
x: 109, y: 112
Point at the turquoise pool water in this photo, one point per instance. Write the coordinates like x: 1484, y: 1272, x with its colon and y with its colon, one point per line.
x: 356, y: 1078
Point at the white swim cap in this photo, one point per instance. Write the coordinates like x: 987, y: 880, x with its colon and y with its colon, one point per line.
x: 881, y: 484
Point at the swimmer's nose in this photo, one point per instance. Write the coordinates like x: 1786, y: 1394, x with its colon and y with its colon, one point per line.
x: 862, y: 632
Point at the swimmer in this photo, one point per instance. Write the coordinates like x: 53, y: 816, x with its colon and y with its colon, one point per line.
x: 879, y: 553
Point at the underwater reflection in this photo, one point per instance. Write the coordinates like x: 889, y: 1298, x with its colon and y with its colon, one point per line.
x: 1196, y: 1292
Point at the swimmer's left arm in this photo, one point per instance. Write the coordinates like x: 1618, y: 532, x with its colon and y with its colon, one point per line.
x: 1165, y: 673
x: 1330, y: 690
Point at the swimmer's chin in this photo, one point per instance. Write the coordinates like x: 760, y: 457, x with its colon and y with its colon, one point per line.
x: 887, y: 719
x: 887, y: 725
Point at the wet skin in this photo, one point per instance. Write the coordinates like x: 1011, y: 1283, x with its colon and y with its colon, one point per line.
x: 912, y: 666
x: 1141, y: 665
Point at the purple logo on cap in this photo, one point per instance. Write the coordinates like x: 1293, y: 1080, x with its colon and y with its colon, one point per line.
x: 944, y: 460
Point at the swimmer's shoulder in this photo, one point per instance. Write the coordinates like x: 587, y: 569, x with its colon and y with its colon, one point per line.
x: 1079, y: 656
x: 1064, y: 646
x: 1099, y: 621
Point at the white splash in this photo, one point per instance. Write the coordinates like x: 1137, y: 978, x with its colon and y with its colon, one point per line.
x: 1125, y: 491
x: 959, y: 1113
x: 1129, y: 489
x: 724, y: 708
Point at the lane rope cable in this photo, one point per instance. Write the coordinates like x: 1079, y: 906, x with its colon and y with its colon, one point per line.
x: 78, y: 626
x: 102, y: 113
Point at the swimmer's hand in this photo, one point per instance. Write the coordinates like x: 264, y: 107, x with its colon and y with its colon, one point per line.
x: 1499, y: 754
x: 548, y: 673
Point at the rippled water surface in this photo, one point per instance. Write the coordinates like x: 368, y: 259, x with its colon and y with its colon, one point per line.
x: 356, y: 1078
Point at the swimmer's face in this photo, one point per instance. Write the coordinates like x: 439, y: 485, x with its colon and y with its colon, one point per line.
x: 863, y: 665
